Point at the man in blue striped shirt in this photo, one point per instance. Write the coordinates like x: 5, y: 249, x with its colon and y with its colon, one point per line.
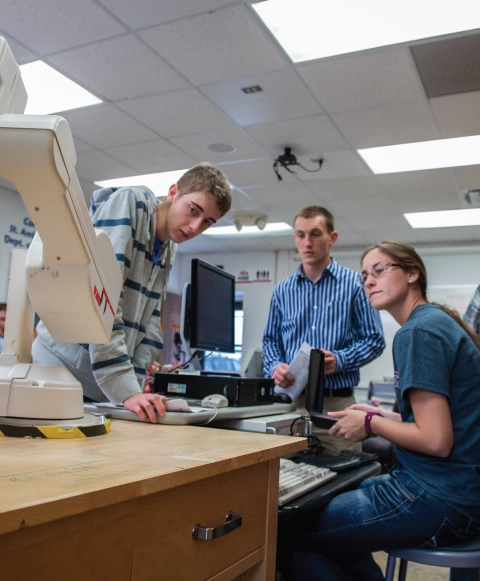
x: 144, y: 234
x: 322, y: 305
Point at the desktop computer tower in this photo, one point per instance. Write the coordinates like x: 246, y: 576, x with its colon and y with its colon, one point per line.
x: 240, y: 391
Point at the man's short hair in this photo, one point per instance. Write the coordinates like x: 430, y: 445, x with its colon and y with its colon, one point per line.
x: 204, y: 177
x: 3, y: 306
x: 313, y: 211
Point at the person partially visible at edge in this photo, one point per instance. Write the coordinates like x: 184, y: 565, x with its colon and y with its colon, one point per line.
x: 3, y: 315
x: 472, y: 314
x: 144, y: 233
x: 431, y: 497
x: 322, y: 305
x: 472, y: 318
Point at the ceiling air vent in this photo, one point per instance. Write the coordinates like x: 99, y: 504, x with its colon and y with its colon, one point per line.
x: 450, y: 66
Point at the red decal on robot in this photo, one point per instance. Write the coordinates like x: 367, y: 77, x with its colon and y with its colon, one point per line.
x: 99, y: 298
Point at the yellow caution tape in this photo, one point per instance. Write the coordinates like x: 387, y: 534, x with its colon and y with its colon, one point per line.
x: 54, y: 432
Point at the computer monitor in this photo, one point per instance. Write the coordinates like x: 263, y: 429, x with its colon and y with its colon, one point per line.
x: 314, y: 391
x: 208, y: 311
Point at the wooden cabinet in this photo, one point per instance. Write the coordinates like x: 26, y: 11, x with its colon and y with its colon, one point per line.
x: 123, y: 506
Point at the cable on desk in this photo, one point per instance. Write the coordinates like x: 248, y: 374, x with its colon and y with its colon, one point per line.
x: 183, y: 365
x: 294, y: 422
x: 211, y: 419
x: 314, y: 444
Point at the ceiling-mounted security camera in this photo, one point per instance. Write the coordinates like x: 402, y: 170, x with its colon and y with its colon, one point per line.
x: 288, y: 159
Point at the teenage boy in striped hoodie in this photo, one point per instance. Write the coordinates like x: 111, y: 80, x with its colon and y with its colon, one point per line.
x: 144, y: 232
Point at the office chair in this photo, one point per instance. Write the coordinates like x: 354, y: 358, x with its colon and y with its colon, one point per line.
x: 463, y: 556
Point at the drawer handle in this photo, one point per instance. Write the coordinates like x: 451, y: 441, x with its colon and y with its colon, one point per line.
x: 233, y: 521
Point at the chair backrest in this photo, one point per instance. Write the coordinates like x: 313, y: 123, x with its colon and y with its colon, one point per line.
x: 462, y: 556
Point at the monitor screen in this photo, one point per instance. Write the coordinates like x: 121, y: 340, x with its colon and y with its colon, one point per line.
x: 211, y: 315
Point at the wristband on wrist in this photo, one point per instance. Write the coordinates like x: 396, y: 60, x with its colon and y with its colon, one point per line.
x: 368, y: 419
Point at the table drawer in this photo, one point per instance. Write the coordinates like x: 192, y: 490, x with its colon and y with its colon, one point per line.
x: 168, y: 551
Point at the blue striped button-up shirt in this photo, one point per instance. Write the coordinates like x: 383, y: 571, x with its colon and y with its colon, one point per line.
x: 332, y: 314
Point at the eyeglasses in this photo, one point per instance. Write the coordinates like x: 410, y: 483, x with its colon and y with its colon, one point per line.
x: 377, y: 271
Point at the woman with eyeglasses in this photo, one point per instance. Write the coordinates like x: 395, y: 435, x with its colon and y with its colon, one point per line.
x: 432, y: 497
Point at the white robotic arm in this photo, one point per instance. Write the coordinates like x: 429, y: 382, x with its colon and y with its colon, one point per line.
x: 71, y: 271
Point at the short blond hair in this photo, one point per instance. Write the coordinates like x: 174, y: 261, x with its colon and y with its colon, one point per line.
x: 204, y: 177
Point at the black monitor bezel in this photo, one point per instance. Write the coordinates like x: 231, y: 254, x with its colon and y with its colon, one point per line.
x: 315, y: 387
x: 195, y: 341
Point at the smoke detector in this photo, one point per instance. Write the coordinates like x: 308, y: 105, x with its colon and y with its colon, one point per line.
x: 258, y: 220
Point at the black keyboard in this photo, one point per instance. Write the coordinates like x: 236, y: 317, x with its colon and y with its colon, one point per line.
x: 345, y: 460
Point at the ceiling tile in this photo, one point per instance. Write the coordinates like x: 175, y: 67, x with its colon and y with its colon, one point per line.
x: 54, y: 25
x: 404, y: 123
x: 377, y: 78
x: 310, y: 135
x: 197, y: 146
x: 358, y: 186
x: 255, y: 173
x: 218, y: 45
x: 356, y: 206
x: 96, y: 165
x: 416, y: 182
x: 243, y: 202
x: 105, y: 126
x: 96, y: 67
x: 426, y: 202
x: 336, y: 164
x: 283, y: 96
x: 143, y: 13
x: 281, y: 194
x: 152, y: 156
x: 374, y: 222
x: 81, y: 146
x: 177, y: 113
x: 468, y: 177
x: 22, y: 54
x: 457, y: 115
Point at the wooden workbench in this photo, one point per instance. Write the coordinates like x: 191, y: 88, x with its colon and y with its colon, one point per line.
x: 122, y: 506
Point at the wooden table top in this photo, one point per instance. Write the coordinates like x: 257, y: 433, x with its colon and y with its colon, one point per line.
x: 45, y: 479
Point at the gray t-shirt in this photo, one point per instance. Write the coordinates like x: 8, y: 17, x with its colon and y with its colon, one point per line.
x: 432, y: 352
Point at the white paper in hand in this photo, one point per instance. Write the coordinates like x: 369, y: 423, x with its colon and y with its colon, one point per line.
x: 299, y: 369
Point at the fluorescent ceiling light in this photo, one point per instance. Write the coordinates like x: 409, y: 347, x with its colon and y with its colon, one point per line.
x: 310, y: 29
x: 444, y: 219
x: 159, y: 183
x: 423, y: 155
x: 51, y: 92
x: 274, y: 228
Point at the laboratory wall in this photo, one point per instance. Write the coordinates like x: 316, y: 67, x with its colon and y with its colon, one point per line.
x: 16, y: 231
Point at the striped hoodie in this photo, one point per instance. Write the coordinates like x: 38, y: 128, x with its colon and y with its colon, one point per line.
x: 116, y: 370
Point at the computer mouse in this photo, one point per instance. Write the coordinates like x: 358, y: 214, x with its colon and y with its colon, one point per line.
x: 282, y: 398
x: 214, y: 400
